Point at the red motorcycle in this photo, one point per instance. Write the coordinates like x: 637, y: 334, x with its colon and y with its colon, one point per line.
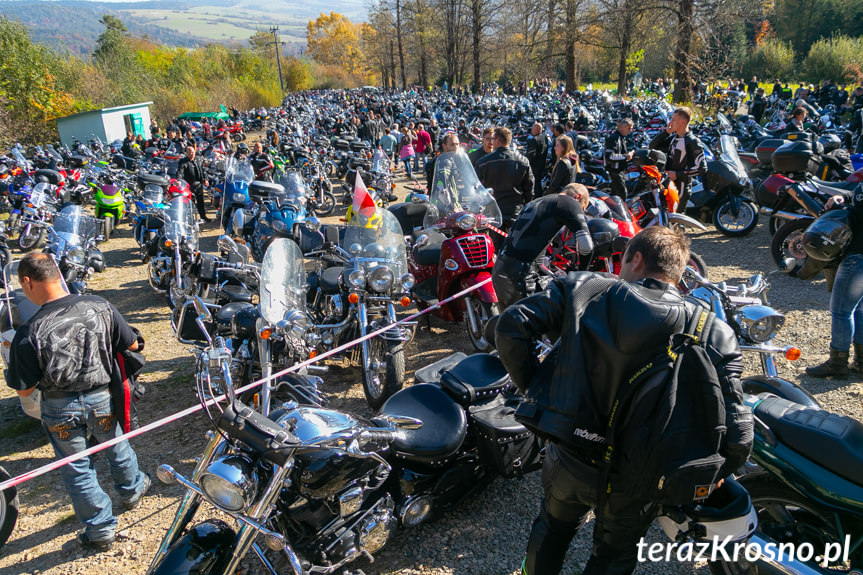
x: 454, y: 250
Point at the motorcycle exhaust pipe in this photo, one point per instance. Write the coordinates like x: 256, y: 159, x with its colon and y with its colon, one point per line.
x: 788, y: 565
x: 765, y: 211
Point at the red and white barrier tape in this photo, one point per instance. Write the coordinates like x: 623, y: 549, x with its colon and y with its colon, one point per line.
x: 190, y: 410
x: 497, y: 231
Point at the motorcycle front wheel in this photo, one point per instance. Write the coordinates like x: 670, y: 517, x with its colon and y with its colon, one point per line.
x: 326, y: 205
x: 483, y: 312
x: 697, y: 263
x: 8, y: 509
x: 386, y: 373
x: 31, y: 237
x: 735, y: 225
x: 788, y: 242
x: 785, y: 516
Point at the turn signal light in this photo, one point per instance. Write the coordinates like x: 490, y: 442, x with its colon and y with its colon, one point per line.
x: 353, y: 298
x: 313, y: 354
x: 406, y: 301
x: 168, y: 243
x: 793, y: 353
x: 266, y: 333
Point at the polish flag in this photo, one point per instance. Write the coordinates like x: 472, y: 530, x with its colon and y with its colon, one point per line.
x: 364, y: 203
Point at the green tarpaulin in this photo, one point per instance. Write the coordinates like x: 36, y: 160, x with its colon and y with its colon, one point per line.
x: 221, y: 115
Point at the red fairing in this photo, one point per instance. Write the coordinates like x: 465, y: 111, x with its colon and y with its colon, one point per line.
x: 776, y: 182
x: 485, y: 293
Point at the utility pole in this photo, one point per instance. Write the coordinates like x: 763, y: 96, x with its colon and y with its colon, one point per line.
x: 273, y: 30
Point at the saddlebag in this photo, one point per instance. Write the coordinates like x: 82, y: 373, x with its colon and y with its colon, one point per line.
x: 503, y: 443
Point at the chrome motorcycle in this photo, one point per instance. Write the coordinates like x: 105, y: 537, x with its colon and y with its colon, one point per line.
x: 169, y: 271
x: 73, y: 243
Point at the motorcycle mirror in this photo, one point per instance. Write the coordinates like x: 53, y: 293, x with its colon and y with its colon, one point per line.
x: 422, y: 240
x: 313, y: 224
x: 419, y: 198
x: 166, y: 474
x: 226, y: 244
x: 403, y: 422
x: 202, y: 311
x: 788, y: 265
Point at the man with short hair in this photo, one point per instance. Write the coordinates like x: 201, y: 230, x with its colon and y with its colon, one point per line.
x: 486, y: 148
x: 448, y: 144
x: 261, y: 163
x: 605, y: 336
x: 537, y: 151
x: 508, y: 175
x: 685, y: 156
x: 617, y: 153
x: 191, y: 169
x: 423, y: 147
x: 66, y: 351
x: 535, y: 227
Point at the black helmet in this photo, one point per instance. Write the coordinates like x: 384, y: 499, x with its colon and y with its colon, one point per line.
x: 647, y: 157
x: 242, y: 148
x: 827, y: 237
x: 830, y: 142
x: 582, y: 142
x: 603, y: 232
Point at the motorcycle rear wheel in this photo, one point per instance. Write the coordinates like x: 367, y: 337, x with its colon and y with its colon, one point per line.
x: 784, y: 515
x: 483, y: 312
x: 386, y: 373
x: 8, y: 509
x: 788, y: 242
x: 736, y: 225
x: 31, y: 237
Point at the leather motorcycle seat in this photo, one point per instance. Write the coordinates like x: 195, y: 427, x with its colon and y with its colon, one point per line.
x: 228, y: 311
x: 429, y: 254
x: 476, y: 378
x: 831, y: 440
x: 237, y: 293
x: 53, y: 177
x: 444, y: 424
x: 846, y: 186
x: 330, y: 279
x: 409, y: 215
x: 156, y: 180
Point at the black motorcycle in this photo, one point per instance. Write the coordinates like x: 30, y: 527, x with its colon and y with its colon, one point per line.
x: 73, y: 240
x: 322, y: 488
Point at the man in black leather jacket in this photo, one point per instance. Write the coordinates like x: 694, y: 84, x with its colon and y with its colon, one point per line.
x: 684, y: 153
x: 537, y: 155
x: 603, y: 340
x: 508, y: 174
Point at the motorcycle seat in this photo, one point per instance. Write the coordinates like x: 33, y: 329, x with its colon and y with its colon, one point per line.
x: 227, y: 312
x: 154, y: 179
x: 842, y: 186
x: 831, y: 440
x: 53, y: 177
x: 444, y: 424
x: 429, y: 254
x: 409, y: 216
x: 330, y: 279
x: 237, y: 293
x: 476, y: 378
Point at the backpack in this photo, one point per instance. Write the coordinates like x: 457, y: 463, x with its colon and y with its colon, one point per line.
x: 667, y: 425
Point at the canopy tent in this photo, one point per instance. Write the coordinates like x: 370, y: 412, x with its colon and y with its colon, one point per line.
x: 220, y: 115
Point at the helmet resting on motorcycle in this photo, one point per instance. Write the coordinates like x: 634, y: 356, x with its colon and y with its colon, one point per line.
x: 647, y: 157
x: 830, y: 142
x: 603, y: 232
x: 726, y: 513
x: 827, y: 238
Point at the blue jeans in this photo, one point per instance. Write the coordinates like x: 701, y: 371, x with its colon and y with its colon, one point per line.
x: 406, y: 162
x: 845, y: 300
x: 69, y: 422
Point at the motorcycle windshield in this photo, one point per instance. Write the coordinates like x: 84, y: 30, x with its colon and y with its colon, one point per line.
x: 178, y: 219
x: 239, y: 171
x: 376, y: 241
x: 17, y: 308
x: 380, y: 162
x: 283, y: 281
x: 152, y: 194
x: 292, y: 194
x: 40, y: 193
x: 456, y: 189
x: 724, y: 124
x: 74, y: 227
x: 19, y: 158
x: 730, y: 157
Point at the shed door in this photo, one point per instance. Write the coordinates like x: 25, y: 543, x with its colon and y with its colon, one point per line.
x: 134, y: 123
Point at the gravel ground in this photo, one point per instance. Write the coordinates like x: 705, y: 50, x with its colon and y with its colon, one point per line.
x: 485, y: 536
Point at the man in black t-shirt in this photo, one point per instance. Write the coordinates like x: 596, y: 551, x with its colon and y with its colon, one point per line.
x: 532, y: 231
x: 66, y: 351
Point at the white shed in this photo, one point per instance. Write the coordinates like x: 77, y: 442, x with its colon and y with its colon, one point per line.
x: 108, y: 124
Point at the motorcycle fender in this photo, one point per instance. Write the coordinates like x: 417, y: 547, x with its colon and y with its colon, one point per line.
x: 781, y: 387
x: 204, y: 549
x: 485, y: 293
x: 686, y: 221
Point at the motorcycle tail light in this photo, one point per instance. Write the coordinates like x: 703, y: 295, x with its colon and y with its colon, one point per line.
x: 793, y: 353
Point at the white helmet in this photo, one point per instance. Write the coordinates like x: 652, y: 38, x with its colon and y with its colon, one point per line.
x: 726, y: 513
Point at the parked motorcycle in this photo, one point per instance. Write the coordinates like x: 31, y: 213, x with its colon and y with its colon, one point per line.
x: 169, y: 271
x: 454, y: 252
x: 356, y: 289
x: 110, y: 205
x: 280, y: 215
x: 36, y: 215
x: 324, y: 487
x: 235, y: 190
x: 73, y: 240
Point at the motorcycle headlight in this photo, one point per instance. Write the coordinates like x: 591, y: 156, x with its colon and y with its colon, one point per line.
x: 280, y: 226
x: 759, y: 323
x: 230, y: 482
x: 294, y: 324
x: 357, y: 279
x: 76, y: 256
x: 381, y: 279
x: 466, y: 222
x: 238, y: 197
x: 408, y: 281
x: 743, y: 181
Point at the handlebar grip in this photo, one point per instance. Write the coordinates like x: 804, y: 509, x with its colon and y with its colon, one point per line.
x: 379, y: 436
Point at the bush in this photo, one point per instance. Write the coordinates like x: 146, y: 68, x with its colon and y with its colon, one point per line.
x: 770, y: 59
x: 834, y: 58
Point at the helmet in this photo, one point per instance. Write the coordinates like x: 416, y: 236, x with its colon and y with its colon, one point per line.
x: 726, y: 513
x: 603, y: 232
x: 242, y: 148
x: 647, y: 157
x: 830, y: 142
x: 582, y: 142
x: 827, y: 237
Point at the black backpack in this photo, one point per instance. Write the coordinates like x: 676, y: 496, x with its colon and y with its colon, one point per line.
x: 667, y: 426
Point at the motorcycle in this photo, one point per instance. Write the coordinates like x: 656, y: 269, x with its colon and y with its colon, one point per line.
x: 235, y: 190
x: 454, y: 251
x: 355, y: 289
x: 110, y: 205
x: 654, y: 199
x: 73, y: 240
x: 279, y: 216
x: 169, y: 271
x: 8, y: 509
x: 36, y: 215
x: 322, y: 488
x: 721, y: 197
